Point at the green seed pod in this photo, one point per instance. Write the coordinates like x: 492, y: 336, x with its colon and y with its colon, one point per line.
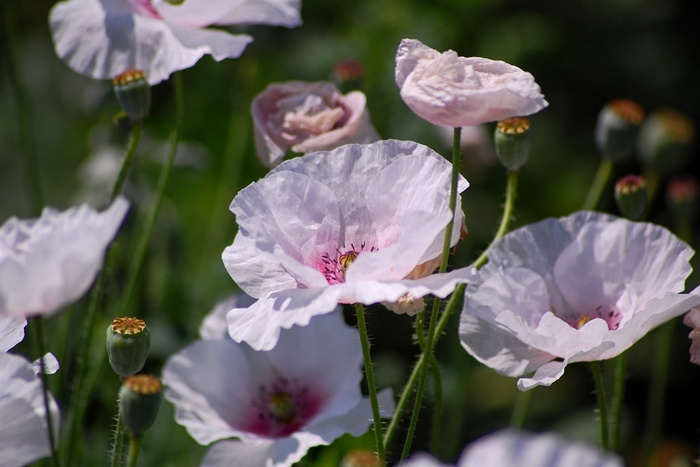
x: 139, y: 400
x: 665, y: 141
x: 631, y: 196
x: 128, y: 341
x: 133, y: 93
x: 617, y: 129
x: 513, y: 140
x: 682, y: 198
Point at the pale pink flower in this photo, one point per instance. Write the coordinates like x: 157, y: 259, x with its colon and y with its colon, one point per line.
x: 23, y: 431
x: 103, y: 38
x: 278, y: 403
x: 692, y: 319
x: 359, y: 224
x: 580, y: 288
x: 308, y: 117
x: 515, y: 448
x: 50, y: 262
x: 449, y: 90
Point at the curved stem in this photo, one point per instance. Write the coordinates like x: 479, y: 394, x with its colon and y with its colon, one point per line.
x: 145, y: 237
x: 41, y: 349
x: 600, y: 181
x: 522, y: 406
x: 618, y: 400
x: 371, y: 384
x: 602, y: 404
x: 507, y: 216
x: 134, y: 449
x: 136, y: 129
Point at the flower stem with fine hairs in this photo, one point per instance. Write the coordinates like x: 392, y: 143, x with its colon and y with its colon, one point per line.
x: 602, y: 404
x: 371, y: 384
x: 118, y: 441
x: 600, y: 181
x: 40, y: 343
x: 507, y: 216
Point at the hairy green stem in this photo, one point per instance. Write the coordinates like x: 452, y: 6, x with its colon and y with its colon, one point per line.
x: 602, y: 404
x: 506, y: 218
x: 40, y: 342
x: 119, y: 434
x: 371, y: 383
x: 600, y: 181
x: 437, y: 409
x: 136, y: 129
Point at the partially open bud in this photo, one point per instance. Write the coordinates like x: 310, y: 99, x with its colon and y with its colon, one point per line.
x: 513, y: 140
x: 617, y: 129
x: 631, y: 196
x: 139, y: 400
x: 682, y: 197
x: 128, y: 341
x: 664, y: 141
x: 133, y: 93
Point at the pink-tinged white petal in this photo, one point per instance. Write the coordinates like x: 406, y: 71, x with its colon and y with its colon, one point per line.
x: 521, y: 449
x: 306, y: 117
x: 23, y: 432
x: 449, y: 90
x: 233, y: 452
x: 50, y: 262
x: 214, y: 325
x: 11, y: 331
x: 102, y: 39
x: 581, y: 288
x: 201, y: 13
x: 47, y: 364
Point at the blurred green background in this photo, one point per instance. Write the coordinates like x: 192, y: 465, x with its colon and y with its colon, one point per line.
x: 582, y: 54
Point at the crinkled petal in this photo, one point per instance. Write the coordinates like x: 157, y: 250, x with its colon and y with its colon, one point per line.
x: 49, y: 363
x: 53, y: 260
x: 11, y: 331
x: 102, y: 39
x: 200, y: 13
x: 520, y: 449
x: 233, y: 452
x: 214, y: 325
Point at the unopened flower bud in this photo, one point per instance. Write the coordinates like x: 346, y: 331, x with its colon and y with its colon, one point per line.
x: 128, y: 341
x: 617, y: 129
x: 664, y: 141
x: 631, y: 196
x: 682, y: 197
x: 139, y: 400
x: 513, y: 141
x: 133, y: 93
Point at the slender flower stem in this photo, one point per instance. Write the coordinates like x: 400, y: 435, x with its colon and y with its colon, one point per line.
x: 618, y: 401
x: 437, y: 409
x: 657, y: 391
x: 136, y: 129
x: 145, y: 237
x: 371, y: 384
x: 118, y: 441
x: 507, y: 216
x: 600, y: 181
x: 602, y: 404
x: 40, y: 343
x: 522, y: 406
x: 134, y: 449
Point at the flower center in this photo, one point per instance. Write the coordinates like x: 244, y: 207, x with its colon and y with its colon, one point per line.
x: 302, y: 116
x: 611, y: 317
x: 334, y: 267
x: 281, y: 408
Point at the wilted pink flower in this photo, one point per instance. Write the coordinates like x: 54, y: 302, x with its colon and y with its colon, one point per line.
x: 277, y: 403
x: 446, y: 89
x: 308, y: 117
x: 360, y: 224
x: 50, y: 262
x: 103, y: 38
x: 577, y: 289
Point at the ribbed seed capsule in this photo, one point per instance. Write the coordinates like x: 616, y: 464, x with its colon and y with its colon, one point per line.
x: 139, y: 400
x: 128, y: 340
x: 631, y: 196
x: 133, y: 93
x: 617, y: 129
x: 513, y: 140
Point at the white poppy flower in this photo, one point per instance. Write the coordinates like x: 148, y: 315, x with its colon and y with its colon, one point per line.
x: 277, y: 403
x: 23, y: 431
x: 521, y: 449
x: 446, y: 89
x: 11, y: 331
x: 581, y: 288
x: 103, y: 38
x: 359, y: 224
x: 50, y: 262
x: 214, y: 325
x: 308, y: 117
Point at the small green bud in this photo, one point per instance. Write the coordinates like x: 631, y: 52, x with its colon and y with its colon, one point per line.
x: 682, y: 197
x: 128, y: 341
x: 664, y: 141
x: 617, y: 129
x: 133, y: 93
x: 139, y: 400
x: 631, y: 196
x: 513, y: 140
